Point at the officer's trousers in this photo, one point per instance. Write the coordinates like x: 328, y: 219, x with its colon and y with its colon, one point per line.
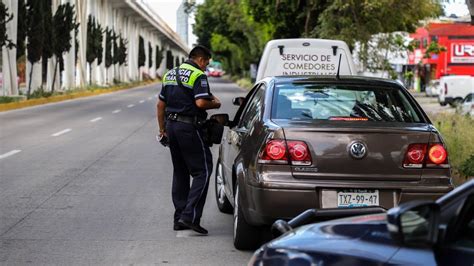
x: 191, y: 157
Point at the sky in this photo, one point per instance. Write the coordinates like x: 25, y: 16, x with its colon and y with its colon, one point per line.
x: 166, y: 9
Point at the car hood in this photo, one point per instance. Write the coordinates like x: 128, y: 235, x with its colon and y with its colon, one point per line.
x: 356, y: 239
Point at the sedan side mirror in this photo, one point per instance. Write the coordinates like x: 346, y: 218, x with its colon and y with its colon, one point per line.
x: 414, y: 223
x: 238, y: 101
x: 222, y: 119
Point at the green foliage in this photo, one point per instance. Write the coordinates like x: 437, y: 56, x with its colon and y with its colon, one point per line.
x: 169, y: 59
x: 21, y: 30
x: 95, y: 36
x: 236, y: 31
x: 150, y: 54
x: 109, y: 40
x: 35, y: 33
x: 141, y: 52
x: 6, y: 99
x: 457, y: 131
x: 40, y: 93
x: 5, y: 17
x: 158, y: 56
x: 434, y: 48
x: 121, y: 50
x: 467, y: 167
x: 49, y: 38
x: 64, y: 22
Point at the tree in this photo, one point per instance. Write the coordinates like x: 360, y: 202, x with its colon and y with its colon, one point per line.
x: 49, y: 37
x: 122, y: 51
x: 158, y: 56
x: 64, y: 21
x: 237, y: 31
x: 150, y: 53
x: 35, y: 34
x: 94, y: 48
x: 141, y: 52
x: 5, y: 17
x: 109, y: 39
x: 21, y: 30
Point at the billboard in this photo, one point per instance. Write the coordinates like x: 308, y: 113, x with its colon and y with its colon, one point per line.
x: 462, y: 52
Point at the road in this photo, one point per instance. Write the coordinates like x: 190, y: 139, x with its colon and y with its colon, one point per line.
x: 85, y: 182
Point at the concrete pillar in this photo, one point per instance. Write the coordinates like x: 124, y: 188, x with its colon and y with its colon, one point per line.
x: 81, y: 6
x: 69, y: 59
x: 10, y: 83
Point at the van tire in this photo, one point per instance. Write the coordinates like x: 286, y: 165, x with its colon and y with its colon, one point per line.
x: 246, y: 237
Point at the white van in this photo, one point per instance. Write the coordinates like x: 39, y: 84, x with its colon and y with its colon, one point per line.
x: 292, y: 57
x: 454, y: 89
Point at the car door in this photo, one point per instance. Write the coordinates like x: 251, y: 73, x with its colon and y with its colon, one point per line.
x: 229, y: 143
x: 457, y: 247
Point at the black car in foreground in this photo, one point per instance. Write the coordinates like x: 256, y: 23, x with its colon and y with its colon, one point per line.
x: 414, y: 233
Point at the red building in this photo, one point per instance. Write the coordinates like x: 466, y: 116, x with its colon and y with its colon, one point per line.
x: 458, y: 59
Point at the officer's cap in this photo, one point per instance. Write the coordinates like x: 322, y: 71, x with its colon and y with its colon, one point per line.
x: 200, y: 51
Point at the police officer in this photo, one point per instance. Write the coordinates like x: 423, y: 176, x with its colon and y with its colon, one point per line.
x: 181, y: 108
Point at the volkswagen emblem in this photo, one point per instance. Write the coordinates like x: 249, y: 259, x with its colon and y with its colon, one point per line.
x: 357, y: 150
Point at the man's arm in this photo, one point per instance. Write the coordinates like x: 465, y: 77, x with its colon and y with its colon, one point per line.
x: 160, y: 114
x: 206, y: 104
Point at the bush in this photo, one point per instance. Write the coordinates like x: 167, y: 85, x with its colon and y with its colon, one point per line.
x: 6, y: 99
x: 467, y: 167
x: 40, y: 93
x: 458, y: 133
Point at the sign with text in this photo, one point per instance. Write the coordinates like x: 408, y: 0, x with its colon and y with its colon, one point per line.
x: 301, y: 62
x: 462, y: 52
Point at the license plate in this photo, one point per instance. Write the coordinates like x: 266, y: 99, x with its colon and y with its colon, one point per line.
x: 357, y: 198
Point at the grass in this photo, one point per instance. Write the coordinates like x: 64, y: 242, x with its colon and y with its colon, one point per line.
x: 458, y: 133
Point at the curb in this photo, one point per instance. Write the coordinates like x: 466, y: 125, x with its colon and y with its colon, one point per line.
x: 59, y: 98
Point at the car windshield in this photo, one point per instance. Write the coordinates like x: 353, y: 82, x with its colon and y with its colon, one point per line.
x: 342, y: 103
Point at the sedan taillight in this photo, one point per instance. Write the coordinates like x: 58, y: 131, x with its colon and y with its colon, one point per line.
x: 278, y: 151
x: 418, y: 156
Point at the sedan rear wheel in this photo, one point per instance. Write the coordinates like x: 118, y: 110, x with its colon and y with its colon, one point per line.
x: 246, y: 237
x: 223, y: 203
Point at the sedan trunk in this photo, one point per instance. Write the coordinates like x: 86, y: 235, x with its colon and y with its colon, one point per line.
x: 337, y: 154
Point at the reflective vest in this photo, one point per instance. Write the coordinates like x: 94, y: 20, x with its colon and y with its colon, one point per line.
x: 188, y: 73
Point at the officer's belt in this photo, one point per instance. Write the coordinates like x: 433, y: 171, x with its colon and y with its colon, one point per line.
x: 185, y: 119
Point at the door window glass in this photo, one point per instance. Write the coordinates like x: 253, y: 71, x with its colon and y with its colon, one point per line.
x: 254, y: 109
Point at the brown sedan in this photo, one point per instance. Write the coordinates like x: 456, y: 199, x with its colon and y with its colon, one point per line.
x: 303, y: 142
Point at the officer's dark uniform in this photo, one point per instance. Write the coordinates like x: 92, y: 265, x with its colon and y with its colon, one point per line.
x: 190, y: 155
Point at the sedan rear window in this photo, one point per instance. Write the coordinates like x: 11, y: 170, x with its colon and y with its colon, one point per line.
x: 342, y: 103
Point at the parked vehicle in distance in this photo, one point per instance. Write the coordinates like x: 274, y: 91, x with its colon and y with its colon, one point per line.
x: 215, y: 69
x: 467, y: 106
x: 454, y: 89
x: 433, y: 88
x: 325, y: 142
x: 414, y: 233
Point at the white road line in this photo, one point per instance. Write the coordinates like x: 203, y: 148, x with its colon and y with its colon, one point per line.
x: 8, y: 154
x: 116, y: 111
x: 149, y: 98
x: 142, y: 101
x: 96, y: 119
x: 130, y: 105
x: 61, y: 132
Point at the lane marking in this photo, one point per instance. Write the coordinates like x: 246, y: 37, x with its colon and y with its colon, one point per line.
x: 61, y: 132
x: 142, y: 101
x: 130, y: 105
x: 149, y: 98
x: 8, y: 154
x: 96, y: 119
x: 116, y: 111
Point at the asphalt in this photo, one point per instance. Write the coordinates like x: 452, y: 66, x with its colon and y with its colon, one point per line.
x: 85, y: 182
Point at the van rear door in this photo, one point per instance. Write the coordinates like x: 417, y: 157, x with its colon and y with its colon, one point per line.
x: 295, y: 57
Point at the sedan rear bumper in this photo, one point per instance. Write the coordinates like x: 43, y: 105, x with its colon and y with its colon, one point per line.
x: 266, y: 205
